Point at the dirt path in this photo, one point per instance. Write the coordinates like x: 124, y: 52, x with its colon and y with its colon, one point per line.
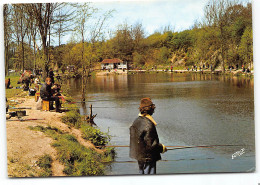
x: 24, y: 146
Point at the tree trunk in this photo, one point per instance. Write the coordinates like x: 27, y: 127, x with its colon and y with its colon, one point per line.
x: 83, y: 89
x: 22, y: 55
x: 46, y: 65
x: 6, y: 60
x: 34, y: 55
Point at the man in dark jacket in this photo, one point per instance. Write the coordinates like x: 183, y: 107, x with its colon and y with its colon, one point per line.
x: 46, y: 94
x: 144, y: 142
x: 51, y: 75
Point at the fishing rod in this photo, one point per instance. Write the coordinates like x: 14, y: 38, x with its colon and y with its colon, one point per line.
x: 95, y: 107
x: 179, y: 147
x: 201, y: 146
x: 93, y: 101
x: 20, y: 108
x: 87, y: 101
x: 32, y: 119
x: 176, y: 160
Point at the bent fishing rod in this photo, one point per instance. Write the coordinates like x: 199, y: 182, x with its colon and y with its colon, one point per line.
x: 177, y: 147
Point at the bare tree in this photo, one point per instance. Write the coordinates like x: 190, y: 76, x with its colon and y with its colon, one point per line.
x: 96, y: 31
x: 42, y: 14
x: 138, y: 35
x: 32, y: 35
x: 7, y: 35
x: 21, y: 25
x: 84, y: 12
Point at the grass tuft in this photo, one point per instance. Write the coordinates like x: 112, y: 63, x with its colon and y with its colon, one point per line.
x: 44, y: 163
x: 93, y: 134
x: 72, y: 118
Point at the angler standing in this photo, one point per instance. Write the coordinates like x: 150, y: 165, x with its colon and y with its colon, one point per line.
x: 144, y: 141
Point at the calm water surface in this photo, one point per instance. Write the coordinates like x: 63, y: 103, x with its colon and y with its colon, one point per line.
x: 191, y: 109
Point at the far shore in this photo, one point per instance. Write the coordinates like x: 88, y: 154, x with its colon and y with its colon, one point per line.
x: 206, y: 71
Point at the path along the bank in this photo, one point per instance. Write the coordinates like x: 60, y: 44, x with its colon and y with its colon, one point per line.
x: 25, y: 146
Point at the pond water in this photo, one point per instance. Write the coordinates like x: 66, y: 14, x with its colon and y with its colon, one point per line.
x: 191, y: 109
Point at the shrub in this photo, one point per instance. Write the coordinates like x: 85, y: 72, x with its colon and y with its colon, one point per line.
x: 97, y: 137
x: 72, y: 118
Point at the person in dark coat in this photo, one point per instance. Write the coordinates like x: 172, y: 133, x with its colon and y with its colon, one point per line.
x: 51, y: 75
x: 46, y: 94
x: 144, y: 141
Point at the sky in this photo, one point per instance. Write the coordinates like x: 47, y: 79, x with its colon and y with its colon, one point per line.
x: 153, y: 14
x: 156, y: 14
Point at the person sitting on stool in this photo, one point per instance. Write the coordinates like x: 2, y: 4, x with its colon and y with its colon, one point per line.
x: 46, y: 94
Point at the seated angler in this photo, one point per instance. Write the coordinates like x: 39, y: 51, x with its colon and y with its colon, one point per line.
x: 46, y: 94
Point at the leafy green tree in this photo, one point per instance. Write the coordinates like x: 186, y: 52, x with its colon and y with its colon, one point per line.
x: 155, y: 40
x: 123, y: 43
x: 246, y: 47
x: 182, y: 40
x: 138, y: 59
x: 162, y: 55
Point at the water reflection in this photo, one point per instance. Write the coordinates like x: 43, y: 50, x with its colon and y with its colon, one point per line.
x: 192, y: 109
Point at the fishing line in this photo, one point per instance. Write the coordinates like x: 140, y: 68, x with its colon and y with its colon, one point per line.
x: 176, y: 160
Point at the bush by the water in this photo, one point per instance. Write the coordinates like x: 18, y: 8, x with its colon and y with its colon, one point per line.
x: 72, y: 118
x: 97, y: 137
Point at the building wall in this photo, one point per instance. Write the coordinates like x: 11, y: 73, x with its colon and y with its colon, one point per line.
x: 111, y: 66
x: 122, y: 65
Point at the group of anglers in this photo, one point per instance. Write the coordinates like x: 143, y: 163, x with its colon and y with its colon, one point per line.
x: 49, y: 91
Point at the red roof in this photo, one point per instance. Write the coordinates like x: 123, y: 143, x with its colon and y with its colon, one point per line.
x: 111, y: 61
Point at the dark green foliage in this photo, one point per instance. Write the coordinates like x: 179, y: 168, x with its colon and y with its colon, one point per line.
x: 45, y: 161
x: 109, y: 154
x: 163, y: 56
x: 182, y: 40
x: 138, y: 59
x: 72, y: 118
x: 97, y: 137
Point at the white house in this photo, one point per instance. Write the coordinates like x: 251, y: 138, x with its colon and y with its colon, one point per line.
x: 113, y: 64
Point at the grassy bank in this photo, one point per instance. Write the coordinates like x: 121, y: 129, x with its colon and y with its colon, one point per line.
x: 42, y: 167
x: 91, y: 133
x: 77, y: 159
x: 85, y: 161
